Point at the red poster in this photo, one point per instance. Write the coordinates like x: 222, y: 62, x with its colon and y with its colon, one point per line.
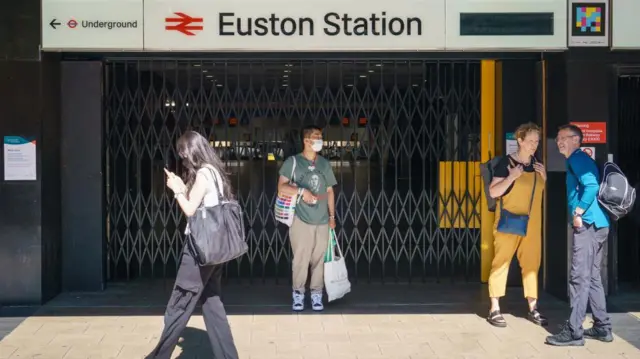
x: 593, y: 132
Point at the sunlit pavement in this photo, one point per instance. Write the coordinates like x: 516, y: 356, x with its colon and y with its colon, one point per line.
x: 432, y: 321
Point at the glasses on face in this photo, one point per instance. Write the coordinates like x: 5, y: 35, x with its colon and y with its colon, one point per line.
x: 564, y: 138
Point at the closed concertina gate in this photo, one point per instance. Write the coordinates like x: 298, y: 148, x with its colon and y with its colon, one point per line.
x: 402, y: 136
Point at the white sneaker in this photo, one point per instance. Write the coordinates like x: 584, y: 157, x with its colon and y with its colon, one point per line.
x: 316, y: 301
x: 298, y: 301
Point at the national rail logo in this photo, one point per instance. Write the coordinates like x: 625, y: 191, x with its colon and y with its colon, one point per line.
x: 184, y: 24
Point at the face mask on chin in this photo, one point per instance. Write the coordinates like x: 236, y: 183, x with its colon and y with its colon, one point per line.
x: 316, y: 145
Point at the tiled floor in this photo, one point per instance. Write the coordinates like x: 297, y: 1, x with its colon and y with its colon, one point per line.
x: 375, y: 322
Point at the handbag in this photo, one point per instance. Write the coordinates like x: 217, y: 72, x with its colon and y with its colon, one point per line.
x: 336, y: 276
x: 217, y: 234
x: 517, y: 224
x: 285, y: 207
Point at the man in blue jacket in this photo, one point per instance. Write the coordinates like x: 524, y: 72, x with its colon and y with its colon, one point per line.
x: 590, y: 231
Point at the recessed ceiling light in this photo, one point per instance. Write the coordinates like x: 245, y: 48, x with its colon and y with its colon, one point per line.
x: 378, y: 65
x: 363, y: 76
x: 349, y: 85
x: 205, y: 71
x: 209, y: 76
x: 196, y: 65
x: 370, y: 70
x: 285, y: 76
x: 415, y: 85
x: 219, y: 85
x: 284, y: 85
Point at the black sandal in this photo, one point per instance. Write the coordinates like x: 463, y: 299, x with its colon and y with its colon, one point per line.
x: 496, y: 319
x: 536, y: 318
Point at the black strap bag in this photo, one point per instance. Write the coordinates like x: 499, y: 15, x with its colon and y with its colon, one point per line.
x: 217, y: 234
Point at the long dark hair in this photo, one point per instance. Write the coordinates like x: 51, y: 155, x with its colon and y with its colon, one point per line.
x: 195, y: 152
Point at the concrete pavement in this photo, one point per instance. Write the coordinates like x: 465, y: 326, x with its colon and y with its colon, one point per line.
x: 354, y: 330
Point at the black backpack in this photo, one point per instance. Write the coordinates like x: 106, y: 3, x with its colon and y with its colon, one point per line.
x: 486, y: 171
x: 615, y: 195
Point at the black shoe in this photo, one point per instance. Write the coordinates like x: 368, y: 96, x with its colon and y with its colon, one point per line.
x: 496, y: 319
x: 601, y: 334
x: 565, y: 339
x: 537, y: 318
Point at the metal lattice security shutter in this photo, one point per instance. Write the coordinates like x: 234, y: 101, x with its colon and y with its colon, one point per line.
x: 402, y: 135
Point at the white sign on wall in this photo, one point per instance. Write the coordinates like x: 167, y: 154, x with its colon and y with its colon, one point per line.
x: 20, y: 156
x: 92, y: 25
x: 625, y: 30
x: 522, y: 16
x: 314, y: 25
x: 591, y: 151
x: 283, y: 25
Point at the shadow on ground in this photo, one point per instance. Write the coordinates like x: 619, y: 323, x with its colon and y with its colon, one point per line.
x: 194, y: 343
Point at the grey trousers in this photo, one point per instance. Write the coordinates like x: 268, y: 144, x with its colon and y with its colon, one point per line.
x: 196, y: 284
x: 585, y: 283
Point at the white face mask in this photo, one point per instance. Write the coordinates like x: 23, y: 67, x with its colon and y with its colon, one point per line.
x: 317, y: 145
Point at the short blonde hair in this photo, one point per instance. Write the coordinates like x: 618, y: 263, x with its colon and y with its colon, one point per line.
x: 523, y: 130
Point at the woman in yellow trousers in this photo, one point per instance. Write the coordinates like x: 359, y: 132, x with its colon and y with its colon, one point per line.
x: 518, y: 183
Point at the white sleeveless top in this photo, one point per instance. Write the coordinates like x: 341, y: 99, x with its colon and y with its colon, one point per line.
x: 211, y: 193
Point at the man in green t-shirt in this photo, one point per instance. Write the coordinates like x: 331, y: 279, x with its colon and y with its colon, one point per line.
x: 313, y: 179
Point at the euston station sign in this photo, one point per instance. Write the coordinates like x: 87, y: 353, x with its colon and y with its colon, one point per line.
x: 312, y: 25
x: 333, y: 24
x: 281, y: 25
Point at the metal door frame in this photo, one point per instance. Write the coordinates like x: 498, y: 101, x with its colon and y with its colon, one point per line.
x: 616, y: 72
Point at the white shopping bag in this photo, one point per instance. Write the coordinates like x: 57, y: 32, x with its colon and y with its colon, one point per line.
x: 336, y: 277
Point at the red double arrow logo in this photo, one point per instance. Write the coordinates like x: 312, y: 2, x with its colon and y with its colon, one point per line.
x: 184, y: 23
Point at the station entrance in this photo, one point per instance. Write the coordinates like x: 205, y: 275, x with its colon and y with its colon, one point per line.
x: 403, y: 137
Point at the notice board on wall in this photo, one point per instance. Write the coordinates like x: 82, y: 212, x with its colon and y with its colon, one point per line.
x: 593, y: 132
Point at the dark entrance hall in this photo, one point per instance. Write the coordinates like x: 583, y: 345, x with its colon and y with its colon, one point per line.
x: 627, y: 127
x: 402, y: 135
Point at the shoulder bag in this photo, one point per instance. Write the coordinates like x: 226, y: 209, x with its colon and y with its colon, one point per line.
x: 217, y: 234
x: 517, y: 224
x: 285, y: 206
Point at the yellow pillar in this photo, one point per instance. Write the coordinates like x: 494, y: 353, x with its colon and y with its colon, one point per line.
x: 490, y: 135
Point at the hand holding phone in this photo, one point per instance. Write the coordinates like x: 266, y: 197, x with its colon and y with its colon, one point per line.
x: 174, y: 182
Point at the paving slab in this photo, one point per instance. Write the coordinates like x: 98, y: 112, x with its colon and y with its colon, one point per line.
x: 419, y: 325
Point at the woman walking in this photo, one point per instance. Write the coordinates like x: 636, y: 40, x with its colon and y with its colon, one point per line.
x: 518, y: 182
x: 205, y: 177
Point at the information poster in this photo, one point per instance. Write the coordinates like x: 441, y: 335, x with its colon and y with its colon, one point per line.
x: 512, y: 143
x: 592, y: 132
x: 19, y: 159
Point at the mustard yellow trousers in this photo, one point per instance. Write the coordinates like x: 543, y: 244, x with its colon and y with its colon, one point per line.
x: 528, y: 250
